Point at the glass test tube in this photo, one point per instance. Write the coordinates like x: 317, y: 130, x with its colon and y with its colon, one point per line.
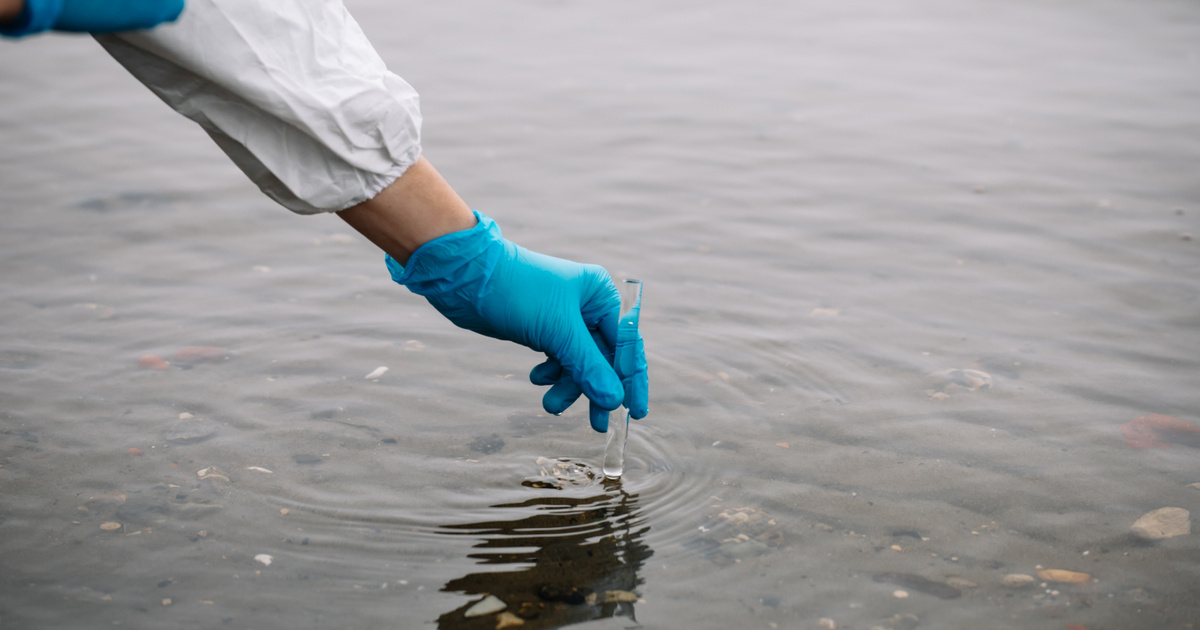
x: 618, y: 419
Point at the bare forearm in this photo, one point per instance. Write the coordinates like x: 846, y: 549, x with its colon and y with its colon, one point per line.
x: 10, y: 9
x: 413, y: 210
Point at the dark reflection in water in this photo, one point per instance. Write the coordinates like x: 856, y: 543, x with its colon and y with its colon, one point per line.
x: 578, y: 560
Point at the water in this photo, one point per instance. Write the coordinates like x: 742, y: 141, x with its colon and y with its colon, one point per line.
x: 841, y: 209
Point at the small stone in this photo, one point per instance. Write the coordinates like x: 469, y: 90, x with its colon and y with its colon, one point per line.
x: 1017, y: 580
x: 133, y: 450
x: 264, y: 558
x: 284, y: 511
x: 186, y: 416
x: 260, y: 469
x: 507, y: 619
x: 960, y: 583
x: 827, y: 623
x: 211, y: 473
x: 1185, y: 236
x: 153, y: 362
x: 897, y: 548
x: 904, y: 621
x: 1194, y: 485
x: 899, y: 594
x: 1064, y: 577
x: 189, y: 432
x: 166, y: 601
x: 529, y: 610
x: 110, y: 526
x: 377, y: 372
x: 486, y: 606
x: 1163, y: 523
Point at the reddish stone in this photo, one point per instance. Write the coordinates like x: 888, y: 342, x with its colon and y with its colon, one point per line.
x: 135, y: 451
x: 1158, y: 431
x: 153, y: 362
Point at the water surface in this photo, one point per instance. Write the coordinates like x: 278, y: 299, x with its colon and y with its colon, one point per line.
x: 844, y: 216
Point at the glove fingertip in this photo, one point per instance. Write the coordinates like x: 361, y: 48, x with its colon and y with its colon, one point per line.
x: 560, y: 396
x: 599, y: 418
x: 546, y: 373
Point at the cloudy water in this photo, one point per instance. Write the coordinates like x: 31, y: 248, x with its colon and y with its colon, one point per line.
x: 922, y: 318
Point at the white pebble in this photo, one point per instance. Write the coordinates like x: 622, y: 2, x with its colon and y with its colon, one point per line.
x: 260, y: 469
x: 264, y: 558
x: 379, y: 371
x: 898, y: 594
x: 486, y: 606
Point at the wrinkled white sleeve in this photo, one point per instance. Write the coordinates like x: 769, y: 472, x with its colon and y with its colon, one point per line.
x: 291, y: 90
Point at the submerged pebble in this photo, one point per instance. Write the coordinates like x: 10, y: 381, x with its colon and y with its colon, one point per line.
x: 189, y: 432
x: 1063, y: 576
x: 1017, y: 580
x: 110, y: 526
x: 1163, y: 523
x: 486, y: 606
x: 153, y: 362
x: 1156, y: 430
x: 919, y: 584
x: 264, y: 558
x: 508, y: 620
x: 377, y: 372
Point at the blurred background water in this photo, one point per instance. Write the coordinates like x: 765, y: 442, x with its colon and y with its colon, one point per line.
x: 913, y: 272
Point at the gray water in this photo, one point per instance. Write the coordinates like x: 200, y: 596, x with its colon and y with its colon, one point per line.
x: 833, y: 206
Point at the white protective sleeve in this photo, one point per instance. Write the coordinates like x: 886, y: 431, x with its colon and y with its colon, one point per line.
x: 291, y: 90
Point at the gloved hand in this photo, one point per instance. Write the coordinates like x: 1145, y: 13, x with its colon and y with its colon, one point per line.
x: 485, y: 283
x: 91, y: 16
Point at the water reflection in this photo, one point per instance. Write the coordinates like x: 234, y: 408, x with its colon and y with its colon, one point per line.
x: 577, y: 560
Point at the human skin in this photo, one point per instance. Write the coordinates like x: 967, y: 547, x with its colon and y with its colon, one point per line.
x: 10, y: 9
x: 413, y: 210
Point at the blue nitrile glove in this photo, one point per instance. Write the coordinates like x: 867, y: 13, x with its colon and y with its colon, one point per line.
x: 91, y: 16
x: 485, y: 283
x: 629, y: 361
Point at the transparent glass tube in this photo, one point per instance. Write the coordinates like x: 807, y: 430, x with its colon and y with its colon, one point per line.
x: 618, y: 419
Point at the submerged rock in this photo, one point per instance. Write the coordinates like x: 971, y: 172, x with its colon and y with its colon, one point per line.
x: 1017, y: 580
x: 919, y: 584
x: 736, y: 533
x: 1156, y: 430
x: 1063, y: 576
x: 153, y: 362
x: 189, y: 432
x: 1163, y: 523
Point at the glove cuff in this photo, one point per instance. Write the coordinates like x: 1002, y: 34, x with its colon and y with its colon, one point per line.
x: 452, y: 261
x: 36, y: 16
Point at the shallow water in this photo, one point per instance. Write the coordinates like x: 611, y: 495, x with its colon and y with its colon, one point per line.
x: 833, y: 206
